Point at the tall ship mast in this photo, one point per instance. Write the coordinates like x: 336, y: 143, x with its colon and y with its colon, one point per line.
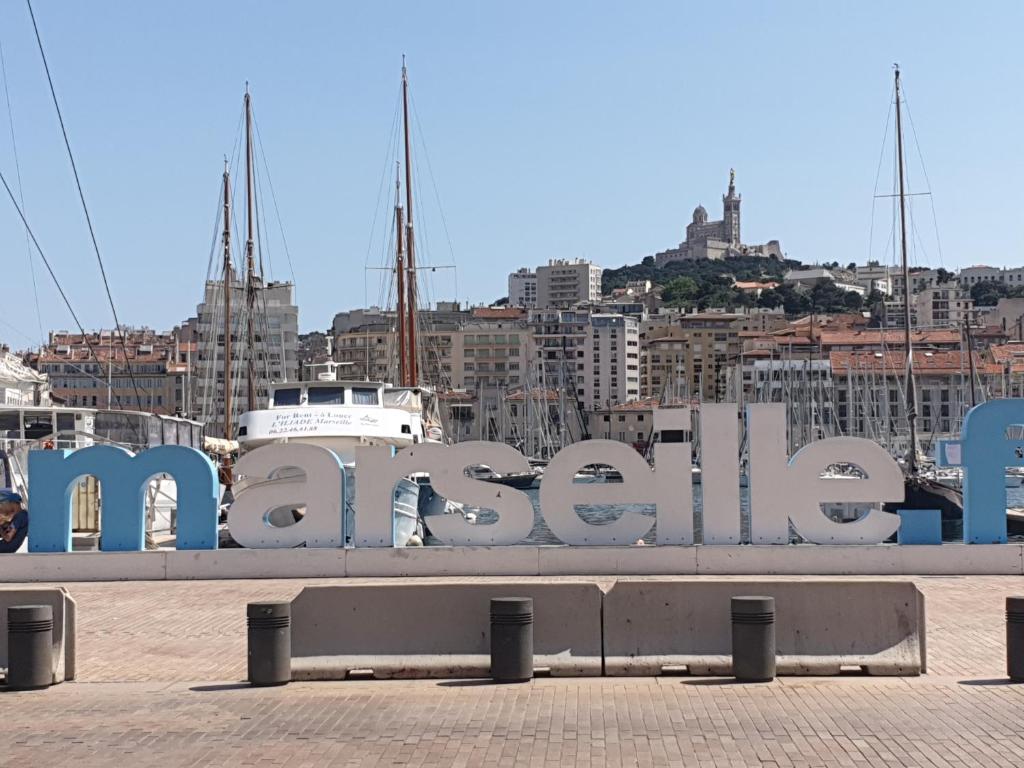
x: 405, y: 258
x: 228, y: 384
x: 911, y: 395
x: 250, y: 261
x: 920, y: 491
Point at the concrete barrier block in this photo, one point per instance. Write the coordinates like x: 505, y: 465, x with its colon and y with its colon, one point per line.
x: 84, y: 566
x: 64, y: 625
x: 617, y: 561
x: 438, y: 630
x: 296, y: 563
x: 878, y: 560
x: 442, y: 561
x: 822, y: 626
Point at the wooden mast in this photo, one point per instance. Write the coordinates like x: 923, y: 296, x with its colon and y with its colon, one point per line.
x: 409, y: 239
x: 907, y: 330
x: 250, y: 262
x: 227, y: 304
x: 403, y: 369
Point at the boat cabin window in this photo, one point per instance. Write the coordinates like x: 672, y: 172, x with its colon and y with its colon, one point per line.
x: 37, y: 426
x: 287, y: 396
x: 364, y: 396
x: 65, y: 422
x: 674, y: 436
x: 326, y: 395
x: 10, y: 426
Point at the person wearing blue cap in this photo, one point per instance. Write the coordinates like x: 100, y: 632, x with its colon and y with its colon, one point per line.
x: 13, y: 521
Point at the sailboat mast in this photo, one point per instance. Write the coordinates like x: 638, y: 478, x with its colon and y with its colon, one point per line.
x: 409, y: 239
x: 250, y: 262
x: 227, y: 303
x: 403, y: 369
x: 907, y: 330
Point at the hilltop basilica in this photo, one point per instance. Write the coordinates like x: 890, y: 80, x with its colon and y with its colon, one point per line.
x: 717, y: 239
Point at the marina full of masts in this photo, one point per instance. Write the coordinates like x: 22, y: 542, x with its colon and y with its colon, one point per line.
x: 540, y: 377
x: 570, y: 350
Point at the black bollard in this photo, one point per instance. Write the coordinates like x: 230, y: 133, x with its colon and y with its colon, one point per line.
x: 1015, y: 638
x: 270, y: 643
x: 29, y: 647
x: 511, y: 639
x: 753, y: 639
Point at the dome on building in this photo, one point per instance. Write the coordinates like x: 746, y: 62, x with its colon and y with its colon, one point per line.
x: 700, y: 216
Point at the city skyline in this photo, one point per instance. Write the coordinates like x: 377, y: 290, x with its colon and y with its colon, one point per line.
x: 596, y: 140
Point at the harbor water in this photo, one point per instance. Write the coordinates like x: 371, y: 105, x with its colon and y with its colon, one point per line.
x: 602, y: 514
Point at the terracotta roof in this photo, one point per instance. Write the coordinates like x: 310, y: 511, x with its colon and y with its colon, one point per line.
x: 644, y: 404
x: 455, y: 395
x: 990, y: 331
x: 893, y: 362
x: 499, y: 313
x: 1012, y: 354
x: 551, y: 395
x: 892, y: 337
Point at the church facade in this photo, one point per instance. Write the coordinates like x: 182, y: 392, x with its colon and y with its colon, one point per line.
x: 717, y: 239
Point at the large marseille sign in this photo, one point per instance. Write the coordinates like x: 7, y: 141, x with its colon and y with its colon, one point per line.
x: 784, y: 491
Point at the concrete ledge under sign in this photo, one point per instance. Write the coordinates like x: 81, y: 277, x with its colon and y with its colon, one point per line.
x: 710, y: 560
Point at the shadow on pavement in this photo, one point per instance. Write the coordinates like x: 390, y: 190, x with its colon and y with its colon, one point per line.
x: 220, y: 687
x: 992, y: 681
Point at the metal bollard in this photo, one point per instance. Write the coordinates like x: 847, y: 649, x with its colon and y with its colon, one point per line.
x: 29, y: 647
x: 1015, y: 638
x: 753, y: 639
x: 511, y: 639
x: 270, y: 643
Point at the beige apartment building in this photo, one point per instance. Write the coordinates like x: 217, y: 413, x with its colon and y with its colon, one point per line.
x: 564, y: 283
x: 93, y: 370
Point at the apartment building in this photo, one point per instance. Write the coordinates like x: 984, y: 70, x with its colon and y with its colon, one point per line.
x: 275, y: 334
x: 712, y: 342
x: 610, y: 362
x: 663, y: 367
x: 522, y: 288
x: 869, y: 392
x: 563, y: 283
x: 630, y: 423
x: 944, y: 305
x: 148, y: 372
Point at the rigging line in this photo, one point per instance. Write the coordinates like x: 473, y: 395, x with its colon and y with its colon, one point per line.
x: 430, y: 171
x: 273, y: 196
x: 216, y: 231
x: 46, y: 262
x: 389, y: 152
x: 260, y: 245
x: 21, y: 195
x: 85, y: 208
x: 878, y: 172
x: 924, y: 170
x: 18, y: 330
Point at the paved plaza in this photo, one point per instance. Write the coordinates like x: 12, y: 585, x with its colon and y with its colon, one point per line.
x: 160, y: 665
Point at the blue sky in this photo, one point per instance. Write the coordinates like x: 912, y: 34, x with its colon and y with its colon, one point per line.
x: 553, y: 130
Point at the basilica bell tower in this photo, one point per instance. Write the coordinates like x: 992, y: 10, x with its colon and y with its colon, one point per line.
x: 731, y: 212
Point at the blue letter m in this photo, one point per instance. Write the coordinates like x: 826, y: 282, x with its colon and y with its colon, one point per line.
x: 123, y: 480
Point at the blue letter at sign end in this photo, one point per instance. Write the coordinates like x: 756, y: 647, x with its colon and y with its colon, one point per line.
x: 919, y: 526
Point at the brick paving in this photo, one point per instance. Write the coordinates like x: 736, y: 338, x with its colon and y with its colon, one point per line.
x: 151, y: 655
x: 182, y: 631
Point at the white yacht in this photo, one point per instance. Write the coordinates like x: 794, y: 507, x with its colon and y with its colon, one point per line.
x: 340, y: 415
